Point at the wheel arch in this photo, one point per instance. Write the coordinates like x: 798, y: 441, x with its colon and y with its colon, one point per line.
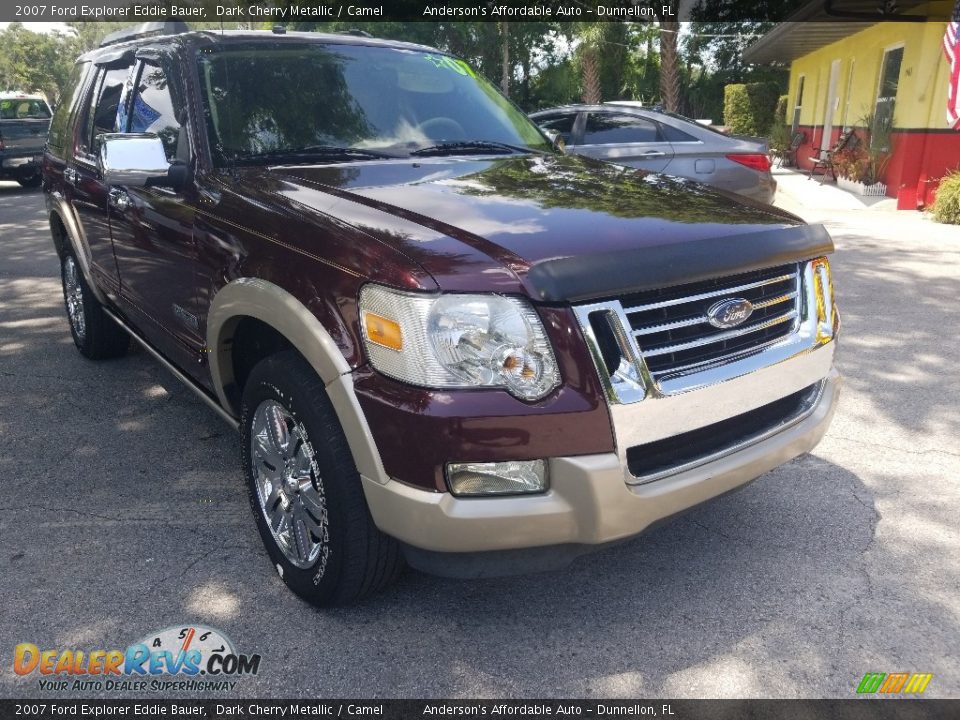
x: 67, y: 235
x: 271, y: 305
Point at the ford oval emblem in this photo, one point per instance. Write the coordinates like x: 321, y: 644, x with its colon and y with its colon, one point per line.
x: 729, y: 313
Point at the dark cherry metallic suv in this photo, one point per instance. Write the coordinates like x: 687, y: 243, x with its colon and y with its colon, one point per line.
x: 444, y: 341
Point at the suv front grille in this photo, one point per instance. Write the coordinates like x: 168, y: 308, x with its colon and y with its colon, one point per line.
x: 673, y: 332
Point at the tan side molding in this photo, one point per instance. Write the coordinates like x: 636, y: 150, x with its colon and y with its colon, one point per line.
x: 274, y: 306
x: 76, y: 239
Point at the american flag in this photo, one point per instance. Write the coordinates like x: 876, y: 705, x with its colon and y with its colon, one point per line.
x: 951, y: 48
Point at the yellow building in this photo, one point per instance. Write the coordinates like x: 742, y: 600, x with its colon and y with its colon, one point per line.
x: 845, y: 65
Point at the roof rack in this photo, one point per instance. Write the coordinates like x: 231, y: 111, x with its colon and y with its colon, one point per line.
x: 149, y: 29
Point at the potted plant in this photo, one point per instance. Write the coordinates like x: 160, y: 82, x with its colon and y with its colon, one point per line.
x: 860, y: 168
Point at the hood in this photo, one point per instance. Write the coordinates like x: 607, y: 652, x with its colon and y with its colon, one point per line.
x: 483, y: 223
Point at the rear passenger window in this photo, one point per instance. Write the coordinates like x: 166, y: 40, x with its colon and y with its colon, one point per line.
x: 604, y: 128
x: 674, y: 135
x: 562, y: 124
x: 153, y: 110
x: 102, y: 117
x: 61, y: 118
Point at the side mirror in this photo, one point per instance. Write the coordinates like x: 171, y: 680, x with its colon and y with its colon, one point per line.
x: 133, y: 159
x: 556, y: 139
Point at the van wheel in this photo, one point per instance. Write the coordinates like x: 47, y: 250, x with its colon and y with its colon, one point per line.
x: 304, y: 488
x: 96, y: 336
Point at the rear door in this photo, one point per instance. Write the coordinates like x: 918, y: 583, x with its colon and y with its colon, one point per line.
x: 84, y: 189
x: 625, y: 139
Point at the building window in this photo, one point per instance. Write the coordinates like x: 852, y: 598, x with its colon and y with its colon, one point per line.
x: 798, y: 104
x: 887, y: 92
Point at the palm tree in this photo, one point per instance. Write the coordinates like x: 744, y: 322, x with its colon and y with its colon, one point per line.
x: 669, y: 65
x: 591, y: 35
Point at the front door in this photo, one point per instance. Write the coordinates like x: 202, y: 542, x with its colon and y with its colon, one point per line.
x: 152, y: 230
x: 826, y: 142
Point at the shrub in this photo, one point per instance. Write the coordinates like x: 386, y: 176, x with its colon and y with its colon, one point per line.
x: 749, y: 109
x: 736, y: 108
x: 780, y: 112
x: 853, y: 163
x: 779, y: 135
x: 946, y: 208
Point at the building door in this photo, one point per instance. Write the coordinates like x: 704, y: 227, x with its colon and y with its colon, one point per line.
x: 825, y: 142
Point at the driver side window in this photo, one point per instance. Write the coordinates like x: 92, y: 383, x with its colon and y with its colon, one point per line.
x: 153, y: 111
x: 562, y: 124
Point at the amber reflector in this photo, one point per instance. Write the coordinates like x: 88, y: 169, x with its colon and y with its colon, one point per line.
x: 382, y: 331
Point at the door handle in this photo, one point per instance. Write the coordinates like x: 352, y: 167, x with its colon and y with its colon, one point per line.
x: 652, y: 154
x: 71, y: 176
x: 119, y: 199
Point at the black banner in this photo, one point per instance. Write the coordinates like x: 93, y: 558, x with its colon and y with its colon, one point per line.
x: 856, y: 709
x: 300, y: 11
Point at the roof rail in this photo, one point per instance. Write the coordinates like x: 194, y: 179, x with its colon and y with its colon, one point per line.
x: 144, y: 30
x: 356, y: 32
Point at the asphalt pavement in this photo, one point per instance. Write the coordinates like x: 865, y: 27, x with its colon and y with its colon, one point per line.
x: 123, y: 513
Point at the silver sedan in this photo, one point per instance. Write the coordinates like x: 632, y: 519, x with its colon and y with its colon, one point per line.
x: 628, y: 134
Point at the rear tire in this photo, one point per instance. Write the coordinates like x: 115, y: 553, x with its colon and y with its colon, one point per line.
x: 305, y: 491
x: 96, y: 336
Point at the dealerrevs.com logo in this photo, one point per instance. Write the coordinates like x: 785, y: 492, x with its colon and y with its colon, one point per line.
x: 191, y: 658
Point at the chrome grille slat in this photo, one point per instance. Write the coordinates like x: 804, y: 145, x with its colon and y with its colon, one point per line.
x: 673, y: 333
x: 650, y: 329
x: 708, y: 295
x: 776, y: 300
x: 702, y: 319
x: 721, y: 337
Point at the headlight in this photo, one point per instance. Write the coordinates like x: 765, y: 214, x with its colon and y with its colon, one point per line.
x: 458, y: 341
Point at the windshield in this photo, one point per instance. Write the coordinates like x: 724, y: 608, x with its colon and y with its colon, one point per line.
x: 265, y: 102
x: 24, y: 109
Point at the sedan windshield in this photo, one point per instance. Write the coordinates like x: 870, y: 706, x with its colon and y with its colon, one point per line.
x: 340, y: 103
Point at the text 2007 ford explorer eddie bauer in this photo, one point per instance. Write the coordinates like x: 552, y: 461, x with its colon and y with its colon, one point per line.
x: 442, y: 340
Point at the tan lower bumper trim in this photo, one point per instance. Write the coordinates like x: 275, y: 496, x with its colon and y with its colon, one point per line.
x: 588, y: 502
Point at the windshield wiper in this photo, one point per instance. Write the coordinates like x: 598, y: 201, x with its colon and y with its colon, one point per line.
x: 314, y: 152
x: 481, y: 146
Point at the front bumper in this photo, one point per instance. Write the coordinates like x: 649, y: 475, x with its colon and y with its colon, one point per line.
x: 588, y: 503
x: 19, y: 162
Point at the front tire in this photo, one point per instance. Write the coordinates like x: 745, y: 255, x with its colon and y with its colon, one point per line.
x: 305, y: 491
x: 96, y: 336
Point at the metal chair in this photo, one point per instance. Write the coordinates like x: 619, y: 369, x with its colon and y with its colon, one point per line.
x: 824, y: 162
x: 789, y: 155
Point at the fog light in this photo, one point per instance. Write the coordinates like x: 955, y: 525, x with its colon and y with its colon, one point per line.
x: 497, y: 478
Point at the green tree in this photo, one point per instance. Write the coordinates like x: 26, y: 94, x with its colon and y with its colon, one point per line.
x: 35, y: 62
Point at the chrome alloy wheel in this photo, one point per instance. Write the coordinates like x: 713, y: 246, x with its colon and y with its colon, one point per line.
x: 73, y: 294
x: 289, y: 491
